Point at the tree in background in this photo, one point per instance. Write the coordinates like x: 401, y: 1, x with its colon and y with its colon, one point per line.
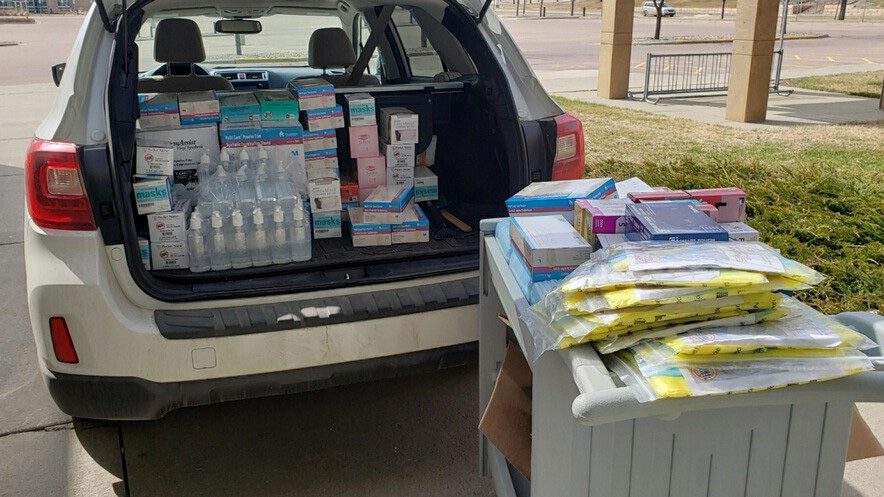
x: 658, y: 5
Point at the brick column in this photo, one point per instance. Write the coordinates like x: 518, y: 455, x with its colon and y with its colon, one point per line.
x: 754, y: 39
x: 616, y: 48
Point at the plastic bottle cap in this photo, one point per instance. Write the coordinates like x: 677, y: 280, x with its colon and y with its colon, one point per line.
x: 225, y: 157
x: 205, y: 158
x: 222, y: 173
x: 278, y: 215
x: 298, y: 212
x: 243, y: 172
x: 237, y: 218
x: 243, y: 156
x: 217, y: 222
x: 196, y: 222
x: 258, y: 216
x: 262, y: 154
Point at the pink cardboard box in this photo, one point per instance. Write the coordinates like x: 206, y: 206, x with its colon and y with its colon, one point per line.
x: 363, y: 141
x: 370, y: 173
x: 639, y: 197
x: 730, y: 202
x: 709, y: 210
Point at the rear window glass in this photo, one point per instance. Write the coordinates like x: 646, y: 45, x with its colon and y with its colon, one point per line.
x: 283, y: 41
x: 422, y: 57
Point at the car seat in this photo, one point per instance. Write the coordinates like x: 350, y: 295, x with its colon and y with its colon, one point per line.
x: 330, y: 48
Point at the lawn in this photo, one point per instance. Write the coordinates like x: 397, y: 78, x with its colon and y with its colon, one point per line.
x: 862, y: 84
x: 814, y: 192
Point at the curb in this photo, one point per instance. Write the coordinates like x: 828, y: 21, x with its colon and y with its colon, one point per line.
x: 17, y: 20
x: 722, y: 40
x: 8, y: 43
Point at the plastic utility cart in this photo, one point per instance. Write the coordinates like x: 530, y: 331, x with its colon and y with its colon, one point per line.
x: 590, y: 437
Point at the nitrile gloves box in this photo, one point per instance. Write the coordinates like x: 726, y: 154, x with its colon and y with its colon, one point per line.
x: 399, y: 125
x: 363, y: 141
x: 239, y: 107
x: 325, y: 195
x: 730, y: 202
x: 169, y: 255
x: 158, y: 110
x: 557, y: 197
x: 313, y: 93
x: 170, y: 226
x: 327, y: 224
x: 740, y: 232
x: 366, y: 234
x: 414, y: 228
x: 320, y: 140
x: 426, y: 185
x: 277, y: 105
x: 386, y: 204
x: 593, y: 217
x: 361, y: 110
x: 549, y: 245
x: 198, y: 107
x: 153, y: 194
x: 322, y: 119
x: 671, y: 221
x: 154, y: 160
x: 322, y: 164
x: 400, y: 163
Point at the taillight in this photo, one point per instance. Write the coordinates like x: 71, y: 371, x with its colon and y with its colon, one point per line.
x: 62, y: 343
x: 569, y: 148
x: 54, y: 187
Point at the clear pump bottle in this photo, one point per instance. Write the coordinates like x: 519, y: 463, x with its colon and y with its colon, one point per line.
x: 299, y: 237
x: 260, y: 246
x: 282, y: 251
x: 196, y: 245
x: 204, y: 170
x: 218, y: 253
x: 265, y: 190
x: 240, y: 257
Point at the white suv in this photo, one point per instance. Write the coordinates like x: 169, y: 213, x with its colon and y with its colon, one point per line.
x: 117, y: 341
x: 649, y: 9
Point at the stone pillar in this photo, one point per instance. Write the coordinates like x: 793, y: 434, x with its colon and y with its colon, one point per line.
x: 616, y: 48
x: 754, y: 39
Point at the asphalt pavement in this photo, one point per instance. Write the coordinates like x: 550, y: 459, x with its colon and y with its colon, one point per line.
x: 402, y: 437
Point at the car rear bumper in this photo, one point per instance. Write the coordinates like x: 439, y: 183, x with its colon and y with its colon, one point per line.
x: 130, y: 398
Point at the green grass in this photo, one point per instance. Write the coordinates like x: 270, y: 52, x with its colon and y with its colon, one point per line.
x: 862, y: 84
x: 814, y: 192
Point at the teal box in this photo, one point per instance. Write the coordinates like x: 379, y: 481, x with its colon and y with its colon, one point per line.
x: 277, y: 105
x: 239, y: 108
x: 153, y: 194
x: 144, y: 248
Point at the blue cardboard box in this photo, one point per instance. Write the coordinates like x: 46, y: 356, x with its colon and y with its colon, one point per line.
x: 671, y: 221
x: 557, y: 197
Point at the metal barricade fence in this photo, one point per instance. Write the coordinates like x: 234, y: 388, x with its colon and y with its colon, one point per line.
x: 675, y: 74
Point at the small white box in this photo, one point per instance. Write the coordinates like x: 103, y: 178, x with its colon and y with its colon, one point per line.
x: 400, y: 163
x: 426, y: 185
x: 325, y: 195
x: 367, y: 234
x: 740, y: 232
x: 158, y: 110
x: 361, y: 109
x: 154, y: 160
x: 323, y: 119
x: 198, y: 107
x: 320, y: 140
x: 399, y: 125
x: 386, y: 204
x: 144, y: 248
x: 549, y: 245
x: 414, y: 228
x: 153, y: 194
x: 169, y: 226
x: 327, y: 225
x: 313, y: 93
x: 169, y: 255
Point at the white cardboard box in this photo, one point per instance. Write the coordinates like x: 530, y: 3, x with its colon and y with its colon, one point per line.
x: 325, y: 195
x: 189, y: 143
x: 426, y: 185
x: 399, y: 158
x: 740, y: 232
x: 361, y: 110
x: 154, y: 160
x: 153, y: 194
x: 170, y: 226
x: 198, y: 107
x: 399, y: 125
x: 549, y: 245
x: 327, y: 225
x: 169, y: 255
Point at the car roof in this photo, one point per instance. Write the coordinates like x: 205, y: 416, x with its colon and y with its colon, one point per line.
x: 259, y: 8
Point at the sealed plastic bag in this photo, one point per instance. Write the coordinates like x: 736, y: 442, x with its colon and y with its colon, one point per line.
x: 750, y: 376
x: 743, y: 256
x: 565, y: 330
x: 596, y: 275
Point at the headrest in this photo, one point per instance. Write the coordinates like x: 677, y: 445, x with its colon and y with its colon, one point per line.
x: 178, y: 40
x: 330, y: 47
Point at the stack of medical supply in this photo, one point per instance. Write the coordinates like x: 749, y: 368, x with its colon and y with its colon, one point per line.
x: 697, y: 318
x: 557, y: 197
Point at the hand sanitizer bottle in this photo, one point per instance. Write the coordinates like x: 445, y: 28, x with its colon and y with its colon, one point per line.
x: 300, y: 233
x: 218, y: 254
x: 223, y: 193
x: 204, y: 170
x: 265, y: 190
x: 245, y: 190
x: 260, y: 247
x: 282, y: 251
x: 239, y: 243
x: 196, y: 245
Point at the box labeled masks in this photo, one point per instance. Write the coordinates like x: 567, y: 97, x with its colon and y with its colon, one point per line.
x: 154, y: 160
x: 322, y: 164
x: 414, y: 228
x: 169, y: 255
x: 549, y: 246
x: 363, y: 141
x: 740, y: 232
x: 557, y: 197
x: 386, y: 204
x: 730, y: 202
x: 323, y: 119
x: 170, y: 226
x: 144, y: 250
x: 325, y: 195
x: 361, y: 110
x: 320, y: 140
x: 153, y: 194
x: 277, y: 105
x: 239, y: 107
x: 158, y: 110
x: 426, y: 185
x: 327, y: 225
x: 366, y: 234
x: 671, y: 221
x: 370, y: 173
x: 399, y: 125
x: 313, y: 93
x: 188, y: 143
x: 198, y: 107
